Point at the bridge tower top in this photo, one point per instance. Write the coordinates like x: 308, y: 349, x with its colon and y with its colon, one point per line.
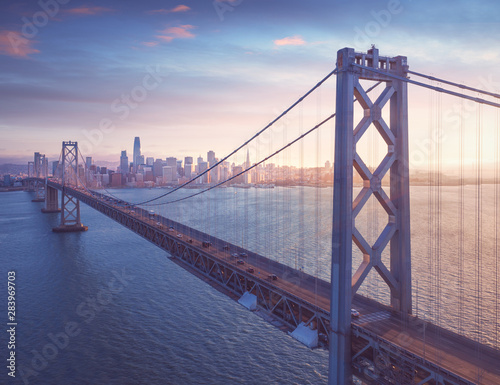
x: 70, y: 164
x: 397, y: 65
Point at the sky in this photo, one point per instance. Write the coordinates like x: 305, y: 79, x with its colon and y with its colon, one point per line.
x: 192, y: 76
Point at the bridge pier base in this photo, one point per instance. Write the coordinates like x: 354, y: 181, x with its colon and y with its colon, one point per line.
x: 39, y: 192
x: 30, y: 186
x: 70, y: 229
x: 51, y: 202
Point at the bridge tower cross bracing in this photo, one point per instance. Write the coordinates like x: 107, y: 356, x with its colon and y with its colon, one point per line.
x: 70, y: 206
x: 40, y: 171
x: 346, y: 207
x: 31, y: 174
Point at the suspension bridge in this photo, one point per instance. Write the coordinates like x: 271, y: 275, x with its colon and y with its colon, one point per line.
x: 388, y: 343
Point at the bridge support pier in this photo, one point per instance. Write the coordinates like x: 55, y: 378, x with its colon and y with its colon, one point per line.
x: 70, y: 206
x: 353, y: 67
x: 51, y: 201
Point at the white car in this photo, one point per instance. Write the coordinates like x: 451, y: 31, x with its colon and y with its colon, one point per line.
x: 354, y: 313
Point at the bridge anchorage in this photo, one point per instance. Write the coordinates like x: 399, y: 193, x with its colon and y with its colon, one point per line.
x: 70, y: 206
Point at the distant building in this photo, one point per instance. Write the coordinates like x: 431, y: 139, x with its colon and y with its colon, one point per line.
x: 180, y: 170
x: 137, y: 152
x: 123, y: 163
x: 140, y: 161
x: 167, y: 174
x: 247, y: 163
x: 6, y: 180
x: 240, y: 179
x: 150, y: 160
x: 172, y: 162
x: 201, y: 168
x: 88, y: 161
x: 158, y: 168
x: 199, y: 160
x: 55, y: 168
x: 148, y: 176
x: 116, y: 179
x: 188, y: 170
x: 211, y: 158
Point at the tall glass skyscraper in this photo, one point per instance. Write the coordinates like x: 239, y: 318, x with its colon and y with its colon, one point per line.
x: 124, y: 162
x: 137, y: 152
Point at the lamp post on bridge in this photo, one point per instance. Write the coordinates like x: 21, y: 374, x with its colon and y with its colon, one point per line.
x: 346, y: 207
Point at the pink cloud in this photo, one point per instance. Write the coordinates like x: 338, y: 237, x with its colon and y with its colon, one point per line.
x: 168, y: 39
x: 87, y: 11
x: 149, y: 43
x: 179, y: 8
x: 181, y: 32
x: 13, y: 44
x: 290, y: 40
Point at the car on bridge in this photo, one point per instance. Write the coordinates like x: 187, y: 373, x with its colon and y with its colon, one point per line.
x: 240, y: 262
x: 206, y: 244
x: 225, y: 247
x: 272, y: 277
x: 355, y: 313
x: 251, y: 270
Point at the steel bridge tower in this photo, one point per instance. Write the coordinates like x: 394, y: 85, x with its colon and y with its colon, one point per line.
x: 346, y: 207
x: 40, y: 166
x: 70, y: 206
x: 31, y: 174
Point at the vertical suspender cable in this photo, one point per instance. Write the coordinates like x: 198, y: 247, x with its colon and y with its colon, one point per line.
x: 497, y: 198
x: 438, y: 209
x: 461, y: 233
x: 478, y: 229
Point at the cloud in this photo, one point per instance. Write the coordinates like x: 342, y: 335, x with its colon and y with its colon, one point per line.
x: 149, y: 43
x: 179, y: 8
x: 87, y: 11
x: 181, y: 32
x: 13, y: 44
x: 290, y: 40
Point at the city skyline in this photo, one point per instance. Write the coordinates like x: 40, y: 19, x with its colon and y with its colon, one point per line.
x: 213, y: 79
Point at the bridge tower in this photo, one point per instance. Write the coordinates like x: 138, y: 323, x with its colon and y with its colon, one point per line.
x: 40, y: 171
x: 31, y: 174
x: 346, y: 207
x: 70, y: 206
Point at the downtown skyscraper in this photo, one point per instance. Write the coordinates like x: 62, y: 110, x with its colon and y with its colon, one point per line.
x: 137, y: 152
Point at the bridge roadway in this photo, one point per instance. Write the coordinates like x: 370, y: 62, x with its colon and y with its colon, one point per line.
x: 421, y: 341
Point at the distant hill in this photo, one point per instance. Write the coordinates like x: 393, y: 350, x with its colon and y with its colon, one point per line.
x: 14, y: 169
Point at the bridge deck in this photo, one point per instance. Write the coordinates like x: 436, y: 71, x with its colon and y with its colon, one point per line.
x: 476, y: 363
